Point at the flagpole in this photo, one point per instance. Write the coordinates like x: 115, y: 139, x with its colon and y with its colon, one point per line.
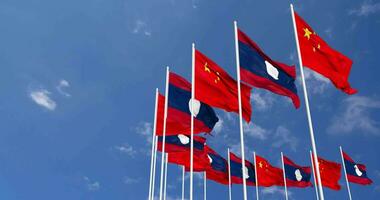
x: 153, y: 145
x: 283, y: 172
x: 164, y: 131
x: 183, y: 182
x: 256, y: 178
x: 192, y: 119
x: 154, y: 167
x: 314, y: 177
x: 204, y: 186
x: 345, y: 173
x: 240, y: 110
x: 314, y: 147
x: 166, y: 174
x: 229, y: 175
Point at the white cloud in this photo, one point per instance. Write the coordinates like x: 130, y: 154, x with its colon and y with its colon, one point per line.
x: 328, y: 32
x: 126, y: 149
x: 315, y: 82
x: 262, y: 100
x: 130, y: 180
x: 283, y: 137
x: 356, y: 115
x: 41, y: 97
x: 141, y: 27
x: 91, y: 185
x: 60, y: 87
x: 255, y: 131
x: 146, y: 130
x: 275, y: 190
x: 366, y: 8
x: 218, y: 126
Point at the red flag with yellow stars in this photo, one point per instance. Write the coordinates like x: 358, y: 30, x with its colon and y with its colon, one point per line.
x: 267, y: 175
x: 330, y: 173
x: 319, y: 56
x: 218, y: 89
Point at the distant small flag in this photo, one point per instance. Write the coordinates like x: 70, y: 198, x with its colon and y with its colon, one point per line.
x: 296, y: 176
x: 180, y: 142
x: 218, y: 168
x: 267, y: 175
x: 330, y: 173
x: 319, y: 56
x: 218, y: 89
x: 259, y: 70
x: 179, y: 116
x: 236, y: 172
x: 356, y: 173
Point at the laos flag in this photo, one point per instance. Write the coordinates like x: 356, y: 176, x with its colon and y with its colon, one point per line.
x: 296, y: 176
x: 236, y: 172
x: 259, y: 70
x: 356, y: 173
x: 178, y: 115
x: 180, y: 143
x: 218, y: 168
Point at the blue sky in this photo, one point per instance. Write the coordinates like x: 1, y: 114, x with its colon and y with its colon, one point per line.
x: 77, y: 88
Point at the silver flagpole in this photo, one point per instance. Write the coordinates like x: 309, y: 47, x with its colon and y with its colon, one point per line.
x: 166, y: 174
x: 204, y: 185
x: 314, y: 177
x: 314, y: 147
x: 153, y: 145
x: 229, y: 175
x: 283, y: 172
x: 192, y: 119
x: 345, y: 173
x: 183, y: 182
x: 240, y: 110
x: 164, y: 132
x: 154, y: 167
x: 256, y: 178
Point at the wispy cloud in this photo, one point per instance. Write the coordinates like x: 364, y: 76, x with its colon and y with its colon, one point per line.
x: 256, y: 131
x: 356, y: 115
x: 91, y: 185
x: 140, y: 27
x: 219, y: 126
x: 42, y: 98
x: 275, y: 190
x: 262, y: 100
x: 61, y: 86
x: 365, y: 9
x: 283, y: 137
x: 126, y: 149
x: 130, y: 180
x: 315, y: 82
x: 146, y: 130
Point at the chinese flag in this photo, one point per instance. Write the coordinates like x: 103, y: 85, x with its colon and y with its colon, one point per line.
x: 267, y: 175
x: 330, y: 173
x: 218, y: 89
x: 319, y: 56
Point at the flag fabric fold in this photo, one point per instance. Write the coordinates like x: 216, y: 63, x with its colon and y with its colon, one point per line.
x: 217, y: 88
x: 330, y: 173
x: 200, y: 161
x: 180, y: 143
x: 267, y: 175
x: 296, y: 176
x: 320, y: 57
x: 356, y: 173
x: 259, y: 70
x: 236, y: 172
x: 218, y: 168
x: 179, y: 115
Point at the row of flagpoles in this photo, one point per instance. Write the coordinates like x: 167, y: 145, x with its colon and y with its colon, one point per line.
x: 310, y: 47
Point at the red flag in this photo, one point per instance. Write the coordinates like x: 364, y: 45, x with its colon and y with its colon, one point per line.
x: 218, y: 89
x: 319, y: 56
x: 200, y: 161
x: 267, y: 175
x: 330, y: 173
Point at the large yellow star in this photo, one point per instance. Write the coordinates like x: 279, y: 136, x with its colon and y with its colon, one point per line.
x: 307, y: 33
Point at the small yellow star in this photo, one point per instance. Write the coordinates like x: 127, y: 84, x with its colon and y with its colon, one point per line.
x: 319, y: 47
x: 307, y: 33
x: 260, y: 164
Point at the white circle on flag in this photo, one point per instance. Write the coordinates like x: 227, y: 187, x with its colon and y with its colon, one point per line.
x: 271, y: 70
x: 357, y: 171
x: 246, y: 174
x: 183, y: 139
x: 196, y: 107
x: 209, y: 158
x: 298, y: 175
